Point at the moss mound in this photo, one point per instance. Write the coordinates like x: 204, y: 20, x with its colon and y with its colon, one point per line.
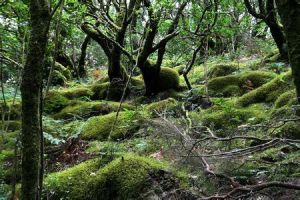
x: 167, y: 105
x: 227, y: 116
x: 76, y: 93
x: 236, y: 85
x: 100, y: 91
x: 168, y: 79
x: 268, y: 92
x: 54, y: 102
x: 222, y: 70
x: 100, y: 127
x: 287, y: 98
x: 85, y: 109
x: 123, y: 178
x: 63, y: 70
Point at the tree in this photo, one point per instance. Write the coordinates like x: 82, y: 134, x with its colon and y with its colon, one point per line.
x: 114, y: 44
x: 112, y: 35
x: 267, y: 13
x: 31, y: 93
x: 289, y: 11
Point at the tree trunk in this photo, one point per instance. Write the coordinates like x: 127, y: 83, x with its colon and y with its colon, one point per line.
x: 150, y: 75
x: 275, y: 29
x: 289, y: 11
x: 81, y: 63
x: 31, y: 95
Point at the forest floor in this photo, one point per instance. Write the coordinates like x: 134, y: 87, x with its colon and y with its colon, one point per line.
x: 235, y: 134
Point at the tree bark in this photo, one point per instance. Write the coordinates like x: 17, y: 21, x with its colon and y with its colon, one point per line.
x: 275, y: 29
x: 31, y: 95
x: 81, y: 63
x: 289, y: 11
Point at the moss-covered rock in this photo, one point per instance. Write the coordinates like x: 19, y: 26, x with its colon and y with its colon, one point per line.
x: 268, y: 92
x: 168, y: 79
x: 100, y: 127
x: 123, y: 178
x: 222, y: 70
x: 76, y: 92
x: 100, y: 91
x: 167, y: 105
x: 236, y: 85
x: 84, y: 109
x: 54, y: 102
x: 286, y: 99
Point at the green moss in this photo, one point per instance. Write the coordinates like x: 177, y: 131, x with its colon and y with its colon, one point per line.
x: 14, y: 111
x: 268, y: 92
x: 63, y: 70
x: 159, y: 107
x: 137, y: 82
x: 71, y: 183
x: 58, y: 78
x: 227, y: 116
x: 84, y: 109
x: 222, y: 70
x: 236, y: 85
x: 180, y: 69
x: 100, y: 91
x: 122, y: 178
x: 290, y: 130
x: 100, y: 127
x: 54, y: 102
x: 8, y: 142
x: 287, y: 98
x: 168, y: 79
x: 76, y: 93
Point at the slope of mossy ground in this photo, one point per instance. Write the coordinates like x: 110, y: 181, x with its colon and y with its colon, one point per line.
x: 106, y: 127
x: 81, y: 112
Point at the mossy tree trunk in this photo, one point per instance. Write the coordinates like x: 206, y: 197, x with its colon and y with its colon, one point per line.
x: 289, y: 11
x: 113, y: 47
x: 151, y: 71
x: 31, y: 95
x: 81, y: 62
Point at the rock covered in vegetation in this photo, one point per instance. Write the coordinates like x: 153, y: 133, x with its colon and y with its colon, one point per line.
x: 60, y: 75
x: 159, y: 107
x: 236, y: 85
x: 55, y: 102
x: 126, y: 177
x: 168, y: 79
x: 76, y: 93
x: 100, y: 127
x: 222, y: 70
x: 83, y: 109
x: 268, y: 92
